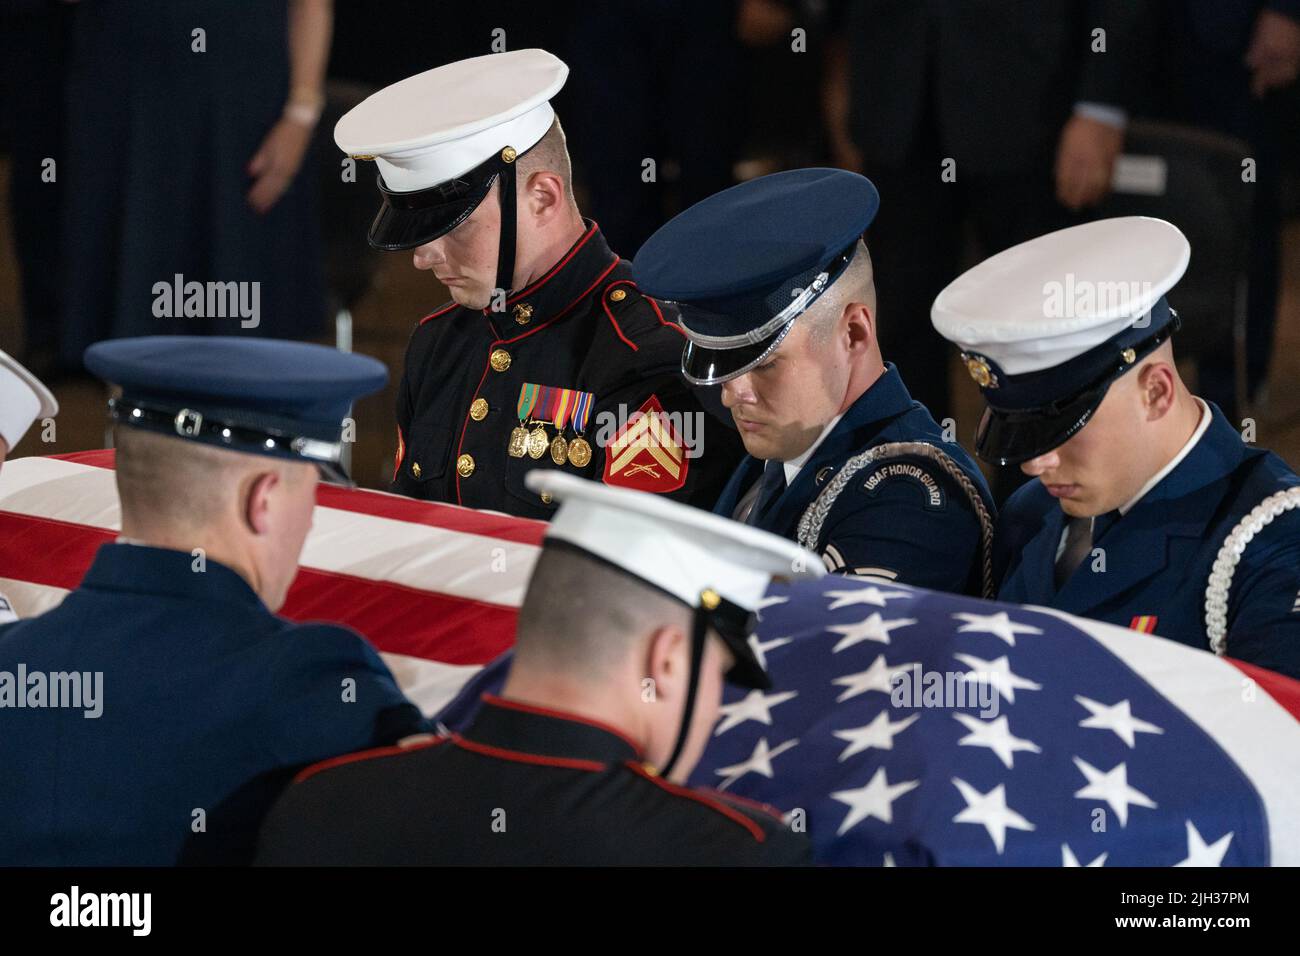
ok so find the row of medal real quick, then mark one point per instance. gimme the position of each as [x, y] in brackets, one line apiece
[542, 405]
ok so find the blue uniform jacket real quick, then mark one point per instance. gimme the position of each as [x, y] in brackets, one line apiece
[1158, 556]
[901, 518]
[208, 704]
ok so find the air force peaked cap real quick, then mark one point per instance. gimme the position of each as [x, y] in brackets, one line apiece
[720, 568]
[260, 396]
[1045, 327]
[441, 138]
[743, 264]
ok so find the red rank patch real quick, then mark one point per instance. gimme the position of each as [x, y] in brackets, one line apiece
[647, 454]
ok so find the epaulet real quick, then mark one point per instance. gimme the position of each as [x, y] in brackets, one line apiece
[632, 314]
[406, 745]
[441, 311]
[704, 798]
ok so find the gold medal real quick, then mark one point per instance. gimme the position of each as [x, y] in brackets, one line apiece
[518, 446]
[537, 442]
[559, 450]
[579, 452]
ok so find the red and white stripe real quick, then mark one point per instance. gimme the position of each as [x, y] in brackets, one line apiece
[436, 588]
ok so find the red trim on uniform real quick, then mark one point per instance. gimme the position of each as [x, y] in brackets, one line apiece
[551, 273]
[500, 753]
[443, 311]
[764, 808]
[686, 793]
[614, 322]
[391, 750]
[487, 367]
[662, 321]
[519, 705]
[401, 453]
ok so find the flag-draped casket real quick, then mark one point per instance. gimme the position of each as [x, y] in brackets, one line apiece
[905, 727]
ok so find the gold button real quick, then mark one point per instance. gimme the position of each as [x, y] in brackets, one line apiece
[499, 359]
[415, 468]
[508, 154]
[523, 313]
[465, 465]
[618, 295]
[478, 411]
[1129, 356]
[546, 498]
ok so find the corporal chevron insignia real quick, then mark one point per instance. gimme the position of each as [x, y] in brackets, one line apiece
[647, 454]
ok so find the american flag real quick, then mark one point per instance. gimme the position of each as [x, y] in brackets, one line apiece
[906, 727]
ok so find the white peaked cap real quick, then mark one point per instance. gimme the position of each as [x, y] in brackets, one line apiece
[680, 549]
[436, 125]
[23, 399]
[1039, 304]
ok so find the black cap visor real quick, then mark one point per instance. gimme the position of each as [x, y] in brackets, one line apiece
[733, 626]
[1012, 436]
[713, 366]
[409, 219]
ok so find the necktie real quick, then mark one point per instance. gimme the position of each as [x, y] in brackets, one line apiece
[1075, 547]
[770, 487]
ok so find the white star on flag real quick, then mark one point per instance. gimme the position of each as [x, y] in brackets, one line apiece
[879, 676]
[998, 625]
[875, 799]
[1117, 717]
[997, 673]
[874, 628]
[996, 735]
[755, 705]
[1111, 786]
[760, 762]
[990, 810]
[879, 733]
[872, 595]
[1069, 859]
[760, 648]
[1198, 854]
[766, 603]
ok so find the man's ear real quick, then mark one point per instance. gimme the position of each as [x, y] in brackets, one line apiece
[1157, 384]
[668, 657]
[544, 195]
[257, 501]
[859, 326]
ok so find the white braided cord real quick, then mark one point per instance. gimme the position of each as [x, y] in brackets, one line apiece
[1229, 556]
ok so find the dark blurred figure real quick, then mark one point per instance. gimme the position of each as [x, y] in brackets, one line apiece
[657, 80]
[183, 160]
[33, 49]
[1013, 93]
[1231, 66]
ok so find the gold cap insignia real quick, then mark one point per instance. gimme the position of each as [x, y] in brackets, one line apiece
[980, 371]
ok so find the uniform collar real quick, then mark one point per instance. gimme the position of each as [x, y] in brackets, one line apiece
[1215, 450]
[571, 279]
[525, 728]
[1201, 426]
[794, 464]
[160, 572]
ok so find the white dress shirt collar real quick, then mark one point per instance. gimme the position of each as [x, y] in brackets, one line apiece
[1206, 418]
